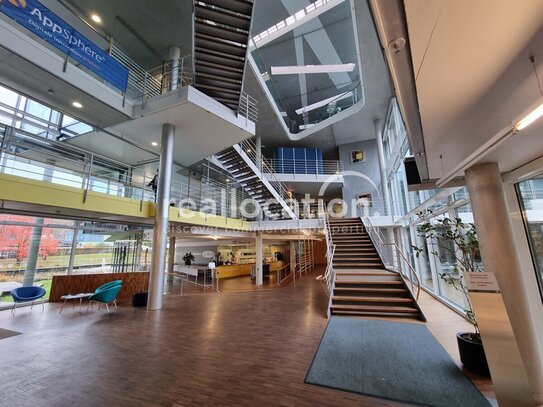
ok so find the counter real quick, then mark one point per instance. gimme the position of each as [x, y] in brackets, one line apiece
[236, 270]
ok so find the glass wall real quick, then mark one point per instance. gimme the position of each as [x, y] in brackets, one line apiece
[53, 241]
[530, 194]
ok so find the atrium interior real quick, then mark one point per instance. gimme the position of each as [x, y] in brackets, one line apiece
[285, 202]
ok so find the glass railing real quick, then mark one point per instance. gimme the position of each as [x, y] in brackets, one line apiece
[33, 157]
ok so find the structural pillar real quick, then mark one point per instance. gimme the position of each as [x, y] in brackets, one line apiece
[74, 246]
[160, 234]
[499, 254]
[293, 258]
[171, 258]
[33, 253]
[173, 60]
[382, 166]
[258, 267]
[258, 152]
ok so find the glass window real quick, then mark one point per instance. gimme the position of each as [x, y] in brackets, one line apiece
[8, 97]
[530, 194]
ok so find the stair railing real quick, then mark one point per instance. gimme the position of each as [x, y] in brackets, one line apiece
[393, 257]
[403, 266]
[167, 77]
[249, 147]
[248, 107]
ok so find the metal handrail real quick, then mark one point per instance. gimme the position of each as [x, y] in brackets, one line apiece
[387, 251]
[170, 76]
[30, 156]
[249, 147]
[279, 280]
[306, 167]
[248, 107]
[412, 275]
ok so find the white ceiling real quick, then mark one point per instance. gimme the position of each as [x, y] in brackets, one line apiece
[473, 75]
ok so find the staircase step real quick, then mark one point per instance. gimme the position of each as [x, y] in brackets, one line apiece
[223, 16]
[363, 290]
[369, 282]
[203, 26]
[374, 308]
[237, 6]
[372, 299]
[363, 273]
[219, 57]
[376, 314]
[210, 42]
[361, 264]
[216, 69]
[230, 91]
[220, 81]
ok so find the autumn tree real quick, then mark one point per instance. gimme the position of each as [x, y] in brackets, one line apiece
[48, 245]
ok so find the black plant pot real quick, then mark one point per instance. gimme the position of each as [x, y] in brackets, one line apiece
[139, 299]
[472, 353]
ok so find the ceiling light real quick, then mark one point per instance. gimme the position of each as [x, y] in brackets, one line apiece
[530, 118]
[76, 104]
[154, 143]
[294, 70]
[96, 18]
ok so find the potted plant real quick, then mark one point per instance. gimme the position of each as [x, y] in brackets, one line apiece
[458, 240]
[188, 259]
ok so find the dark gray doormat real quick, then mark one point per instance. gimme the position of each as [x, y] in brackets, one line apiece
[390, 360]
[5, 333]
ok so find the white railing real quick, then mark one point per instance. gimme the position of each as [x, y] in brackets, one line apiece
[170, 76]
[248, 107]
[307, 167]
[392, 257]
[33, 157]
[249, 147]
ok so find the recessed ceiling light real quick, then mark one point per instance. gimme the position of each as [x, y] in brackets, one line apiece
[96, 18]
[75, 103]
[154, 143]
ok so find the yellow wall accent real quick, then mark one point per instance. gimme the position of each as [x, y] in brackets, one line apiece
[20, 189]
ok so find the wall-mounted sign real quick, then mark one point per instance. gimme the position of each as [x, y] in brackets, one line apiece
[37, 18]
[482, 282]
[208, 254]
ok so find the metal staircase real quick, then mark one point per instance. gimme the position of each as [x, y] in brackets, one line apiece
[221, 34]
[256, 177]
[362, 285]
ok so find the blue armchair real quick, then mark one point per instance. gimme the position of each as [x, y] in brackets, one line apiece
[105, 296]
[27, 294]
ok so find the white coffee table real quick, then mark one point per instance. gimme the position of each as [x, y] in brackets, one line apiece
[79, 296]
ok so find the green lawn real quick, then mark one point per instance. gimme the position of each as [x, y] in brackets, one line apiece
[44, 283]
[11, 265]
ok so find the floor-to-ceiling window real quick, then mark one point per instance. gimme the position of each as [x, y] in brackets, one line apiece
[530, 194]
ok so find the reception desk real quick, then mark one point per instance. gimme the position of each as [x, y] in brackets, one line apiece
[237, 270]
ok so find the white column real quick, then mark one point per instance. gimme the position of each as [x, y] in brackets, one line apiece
[499, 254]
[259, 260]
[171, 258]
[382, 166]
[160, 235]
[74, 246]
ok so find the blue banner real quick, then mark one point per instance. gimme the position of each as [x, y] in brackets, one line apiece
[37, 18]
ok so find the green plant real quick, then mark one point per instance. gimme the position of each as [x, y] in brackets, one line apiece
[459, 240]
[188, 258]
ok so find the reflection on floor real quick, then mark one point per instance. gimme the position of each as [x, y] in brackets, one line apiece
[190, 286]
[228, 349]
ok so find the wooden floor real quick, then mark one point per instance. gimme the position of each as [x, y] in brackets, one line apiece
[178, 286]
[244, 349]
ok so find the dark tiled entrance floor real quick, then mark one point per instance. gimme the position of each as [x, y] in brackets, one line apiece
[249, 349]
